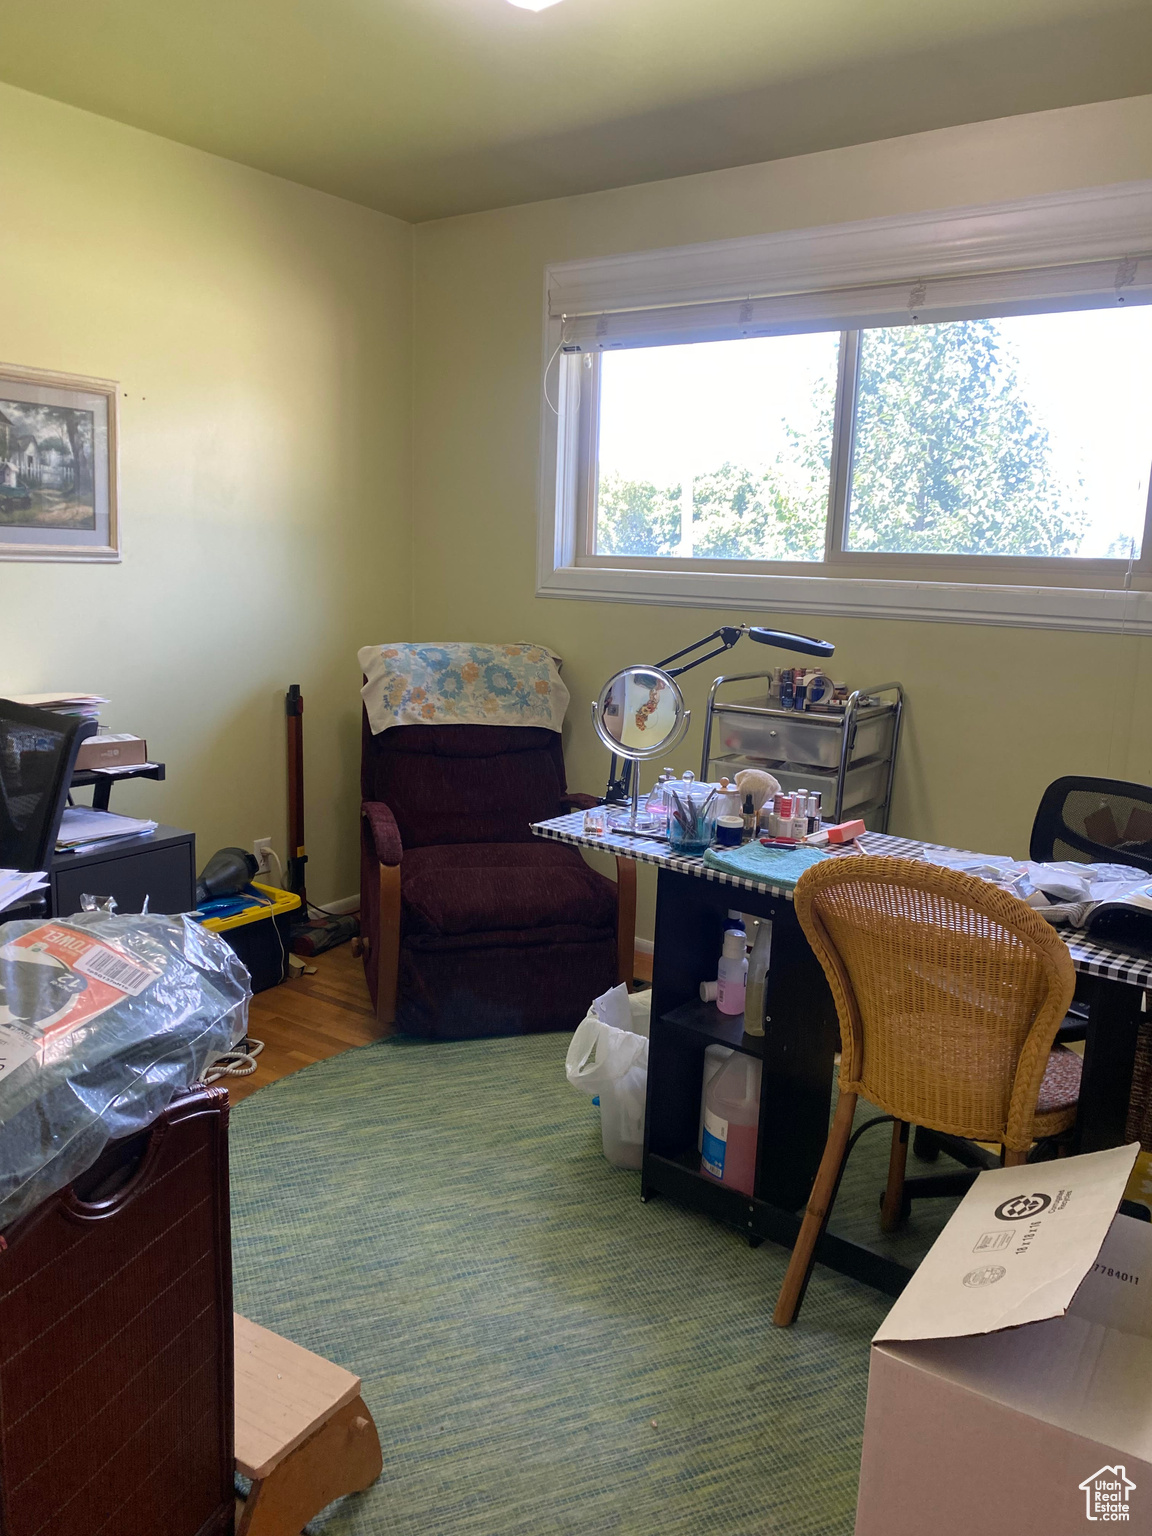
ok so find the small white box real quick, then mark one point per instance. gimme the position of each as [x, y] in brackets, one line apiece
[1010, 1386]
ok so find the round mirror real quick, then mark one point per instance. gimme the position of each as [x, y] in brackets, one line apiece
[640, 713]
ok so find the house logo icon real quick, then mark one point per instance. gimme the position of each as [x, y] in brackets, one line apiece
[1107, 1494]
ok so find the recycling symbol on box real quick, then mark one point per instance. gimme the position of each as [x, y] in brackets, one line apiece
[1020, 1207]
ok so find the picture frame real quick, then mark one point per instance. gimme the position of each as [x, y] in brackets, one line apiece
[59, 466]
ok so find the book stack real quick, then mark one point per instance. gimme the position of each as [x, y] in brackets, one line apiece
[82, 828]
[86, 705]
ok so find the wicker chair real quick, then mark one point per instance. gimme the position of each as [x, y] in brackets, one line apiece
[949, 994]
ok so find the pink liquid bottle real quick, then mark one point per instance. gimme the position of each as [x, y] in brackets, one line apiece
[732, 1123]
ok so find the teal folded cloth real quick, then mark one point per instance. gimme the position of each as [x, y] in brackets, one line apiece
[774, 866]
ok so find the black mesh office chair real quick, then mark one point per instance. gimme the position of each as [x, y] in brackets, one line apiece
[1094, 821]
[1089, 821]
[37, 755]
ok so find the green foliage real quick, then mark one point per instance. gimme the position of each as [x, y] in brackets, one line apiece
[739, 515]
[947, 459]
[634, 517]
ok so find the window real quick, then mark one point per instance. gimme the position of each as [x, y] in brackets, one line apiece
[975, 429]
[1021, 438]
[715, 451]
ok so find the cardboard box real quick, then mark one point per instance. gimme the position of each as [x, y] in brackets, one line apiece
[112, 752]
[1010, 1387]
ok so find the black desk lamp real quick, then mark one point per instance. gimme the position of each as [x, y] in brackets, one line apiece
[619, 789]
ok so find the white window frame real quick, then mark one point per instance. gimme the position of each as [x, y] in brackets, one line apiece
[1029, 238]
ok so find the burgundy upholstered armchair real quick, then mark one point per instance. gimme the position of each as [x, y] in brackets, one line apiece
[471, 925]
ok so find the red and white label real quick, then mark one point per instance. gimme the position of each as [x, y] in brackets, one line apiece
[84, 977]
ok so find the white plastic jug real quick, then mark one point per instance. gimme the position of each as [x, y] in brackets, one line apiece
[732, 1122]
[714, 1058]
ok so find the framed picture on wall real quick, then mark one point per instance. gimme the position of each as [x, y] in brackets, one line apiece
[57, 466]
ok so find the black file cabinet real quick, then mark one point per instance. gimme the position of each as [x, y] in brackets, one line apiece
[161, 866]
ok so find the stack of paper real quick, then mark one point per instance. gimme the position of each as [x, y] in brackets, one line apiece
[81, 828]
[14, 886]
[87, 705]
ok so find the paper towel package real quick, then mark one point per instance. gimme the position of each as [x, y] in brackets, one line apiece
[1010, 1386]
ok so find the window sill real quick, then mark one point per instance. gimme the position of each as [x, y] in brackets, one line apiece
[1035, 607]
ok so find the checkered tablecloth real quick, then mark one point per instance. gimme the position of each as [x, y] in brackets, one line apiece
[1087, 956]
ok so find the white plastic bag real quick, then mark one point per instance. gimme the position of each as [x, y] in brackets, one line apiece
[612, 1063]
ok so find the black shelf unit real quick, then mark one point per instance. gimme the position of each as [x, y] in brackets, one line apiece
[103, 781]
[797, 1051]
[700, 1018]
[159, 865]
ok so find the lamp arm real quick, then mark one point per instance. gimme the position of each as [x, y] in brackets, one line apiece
[708, 655]
[619, 790]
[620, 784]
[727, 635]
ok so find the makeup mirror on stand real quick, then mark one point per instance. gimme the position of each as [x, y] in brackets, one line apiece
[660, 705]
[640, 713]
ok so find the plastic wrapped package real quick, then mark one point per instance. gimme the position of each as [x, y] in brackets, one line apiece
[103, 1018]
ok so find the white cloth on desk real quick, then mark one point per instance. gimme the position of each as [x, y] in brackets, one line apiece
[1064, 892]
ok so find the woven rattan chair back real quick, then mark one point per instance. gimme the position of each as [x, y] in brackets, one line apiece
[949, 992]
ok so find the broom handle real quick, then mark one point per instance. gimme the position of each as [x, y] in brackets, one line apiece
[297, 856]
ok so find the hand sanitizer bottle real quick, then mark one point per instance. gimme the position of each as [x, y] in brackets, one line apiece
[732, 971]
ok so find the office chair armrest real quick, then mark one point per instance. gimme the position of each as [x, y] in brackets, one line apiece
[385, 833]
[573, 801]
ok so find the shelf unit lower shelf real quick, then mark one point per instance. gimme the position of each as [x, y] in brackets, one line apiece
[677, 1179]
[694, 1026]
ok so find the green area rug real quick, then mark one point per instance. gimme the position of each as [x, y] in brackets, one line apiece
[541, 1352]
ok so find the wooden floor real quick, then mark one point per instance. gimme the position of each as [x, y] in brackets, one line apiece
[305, 1021]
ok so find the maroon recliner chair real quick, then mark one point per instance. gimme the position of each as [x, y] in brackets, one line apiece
[469, 924]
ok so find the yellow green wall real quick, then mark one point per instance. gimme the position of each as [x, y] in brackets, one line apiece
[260, 333]
[994, 714]
[302, 471]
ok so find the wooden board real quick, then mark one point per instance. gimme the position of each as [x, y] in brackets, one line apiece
[283, 1394]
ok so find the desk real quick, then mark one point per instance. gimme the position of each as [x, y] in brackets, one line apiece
[800, 1042]
[160, 865]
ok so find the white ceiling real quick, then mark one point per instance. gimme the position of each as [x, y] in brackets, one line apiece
[423, 108]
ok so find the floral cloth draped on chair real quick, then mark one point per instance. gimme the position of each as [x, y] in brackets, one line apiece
[462, 684]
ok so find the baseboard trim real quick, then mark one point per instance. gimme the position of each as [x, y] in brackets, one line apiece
[341, 906]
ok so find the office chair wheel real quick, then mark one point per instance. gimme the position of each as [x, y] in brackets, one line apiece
[925, 1146]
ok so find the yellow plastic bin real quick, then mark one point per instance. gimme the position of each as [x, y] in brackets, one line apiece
[259, 935]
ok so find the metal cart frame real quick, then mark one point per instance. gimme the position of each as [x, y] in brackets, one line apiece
[848, 724]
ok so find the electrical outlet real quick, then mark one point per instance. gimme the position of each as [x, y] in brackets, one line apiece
[261, 847]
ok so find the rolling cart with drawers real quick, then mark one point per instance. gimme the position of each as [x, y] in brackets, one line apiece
[848, 754]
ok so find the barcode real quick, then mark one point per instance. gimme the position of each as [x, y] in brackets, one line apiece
[117, 970]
